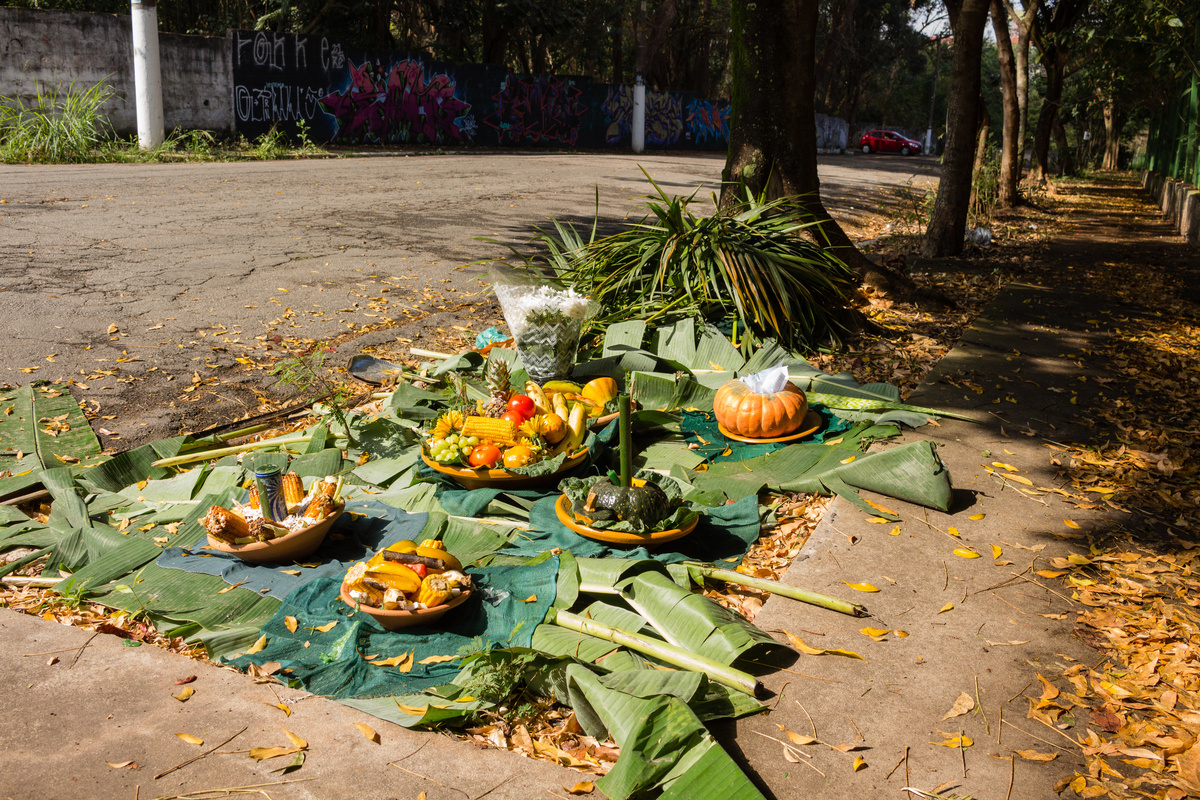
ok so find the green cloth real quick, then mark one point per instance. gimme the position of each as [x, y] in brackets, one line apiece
[701, 427]
[333, 663]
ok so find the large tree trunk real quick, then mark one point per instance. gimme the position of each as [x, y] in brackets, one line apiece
[1025, 24]
[1010, 169]
[944, 236]
[1054, 58]
[773, 134]
[1112, 135]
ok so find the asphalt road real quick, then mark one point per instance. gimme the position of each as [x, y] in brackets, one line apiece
[162, 290]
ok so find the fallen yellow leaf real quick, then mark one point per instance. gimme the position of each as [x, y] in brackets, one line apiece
[946, 608]
[952, 531]
[859, 763]
[287, 712]
[894, 531]
[1034, 755]
[402, 662]
[962, 552]
[797, 738]
[996, 551]
[878, 520]
[531, 599]
[583, 787]
[799, 644]
[258, 646]
[327, 627]
[956, 741]
[187, 737]
[291, 623]
[901, 634]
[961, 706]
[367, 731]
[861, 587]
[263, 753]
[436, 659]
[874, 631]
[977, 517]
[295, 740]
[1070, 524]
[1020, 479]
[1050, 573]
[185, 694]
[122, 764]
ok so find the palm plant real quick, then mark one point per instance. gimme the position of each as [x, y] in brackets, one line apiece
[750, 265]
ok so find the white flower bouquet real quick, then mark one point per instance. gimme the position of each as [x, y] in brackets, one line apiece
[545, 321]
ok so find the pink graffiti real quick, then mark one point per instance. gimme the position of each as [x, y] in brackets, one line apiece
[402, 108]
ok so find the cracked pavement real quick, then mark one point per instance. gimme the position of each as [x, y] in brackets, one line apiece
[161, 290]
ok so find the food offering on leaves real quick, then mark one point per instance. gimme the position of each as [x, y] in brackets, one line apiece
[511, 430]
[762, 406]
[294, 530]
[407, 584]
[247, 524]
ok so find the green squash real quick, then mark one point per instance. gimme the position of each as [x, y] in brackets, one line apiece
[644, 503]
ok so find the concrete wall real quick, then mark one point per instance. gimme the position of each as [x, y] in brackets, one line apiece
[58, 48]
[1179, 201]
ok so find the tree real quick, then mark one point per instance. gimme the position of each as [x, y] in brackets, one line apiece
[773, 137]
[1025, 21]
[944, 236]
[1010, 127]
[1052, 38]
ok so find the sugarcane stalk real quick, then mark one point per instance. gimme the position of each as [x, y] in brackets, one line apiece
[626, 441]
[204, 455]
[699, 572]
[734, 678]
[225, 437]
[36, 583]
[416, 351]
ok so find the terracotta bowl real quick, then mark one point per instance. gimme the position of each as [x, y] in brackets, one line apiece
[292, 547]
[500, 478]
[395, 620]
[627, 538]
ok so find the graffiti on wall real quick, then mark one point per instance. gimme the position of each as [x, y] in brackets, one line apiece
[542, 109]
[352, 96]
[708, 120]
[664, 116]
[396, 106]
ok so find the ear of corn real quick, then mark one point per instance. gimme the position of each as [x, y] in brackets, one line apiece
[436, 544]
[500, 431]
[225, 525]
[319, 507]
[435, 590]
[293, 489]
[253, 501]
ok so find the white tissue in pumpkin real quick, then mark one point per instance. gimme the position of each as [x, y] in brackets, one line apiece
[769, 381]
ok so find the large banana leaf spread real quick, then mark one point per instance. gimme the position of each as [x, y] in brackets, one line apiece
[129, 534]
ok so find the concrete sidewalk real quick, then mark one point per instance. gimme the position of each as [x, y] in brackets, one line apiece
[982, 626]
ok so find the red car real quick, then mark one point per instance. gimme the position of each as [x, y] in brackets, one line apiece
[888, 142]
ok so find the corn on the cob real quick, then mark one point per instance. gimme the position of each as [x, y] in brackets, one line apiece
[436, 544]
[500, 431]
[319, 508]
[253, 500]
[293, 489]
[324, 487]
[225, 525]
[435, 590]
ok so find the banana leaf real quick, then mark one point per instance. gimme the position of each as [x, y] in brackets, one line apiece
[663, 744]
[68, 509]
[911, 472]
[687, 620]
[46, 423]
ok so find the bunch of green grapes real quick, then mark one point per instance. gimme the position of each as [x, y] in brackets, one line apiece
[454, 449]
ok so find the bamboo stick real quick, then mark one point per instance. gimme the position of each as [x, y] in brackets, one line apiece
[204, 455]
[37, 583]
[416, 351]
[774, 587]
[734, 678]
[626, 442]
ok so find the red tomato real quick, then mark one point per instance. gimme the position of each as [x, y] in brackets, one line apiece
[420, 569]
[484, 455]
[522, 404]
[513, 417]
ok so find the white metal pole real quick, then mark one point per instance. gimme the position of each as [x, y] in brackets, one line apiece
[639, 115]
[147, 78]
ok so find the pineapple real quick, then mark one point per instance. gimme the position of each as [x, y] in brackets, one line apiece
[497, 379]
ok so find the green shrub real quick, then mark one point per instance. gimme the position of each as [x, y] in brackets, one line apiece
[63, 125]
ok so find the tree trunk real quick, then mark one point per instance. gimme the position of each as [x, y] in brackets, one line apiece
[1010, 169]
[1054, 58]
[1112, 136]
[983, 131]
[944, 236]
[1066, 164]
[773, 134]
[1025, 24]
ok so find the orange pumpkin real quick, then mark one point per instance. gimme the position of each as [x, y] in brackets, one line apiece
[760, 416]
